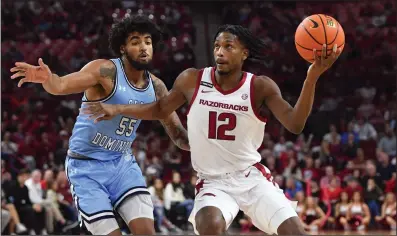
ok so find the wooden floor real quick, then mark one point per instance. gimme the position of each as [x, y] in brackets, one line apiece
[316, 233]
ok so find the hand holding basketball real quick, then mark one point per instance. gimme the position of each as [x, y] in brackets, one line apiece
[29, 73]
[323, 62]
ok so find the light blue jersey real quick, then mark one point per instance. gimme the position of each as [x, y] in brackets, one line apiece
[107, 140]
[100, 166]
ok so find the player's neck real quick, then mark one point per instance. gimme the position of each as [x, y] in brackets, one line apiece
[230, 80]
[136, 77]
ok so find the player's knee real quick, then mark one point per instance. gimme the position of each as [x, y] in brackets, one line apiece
[211, 227]
[142, 226]
[210, 221]
[291, 226]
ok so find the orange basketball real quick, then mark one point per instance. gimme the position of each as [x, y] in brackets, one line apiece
[316, 30]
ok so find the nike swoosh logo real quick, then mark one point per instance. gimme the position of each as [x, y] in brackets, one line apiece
[203, 91]
[248, 174]
[315, 24]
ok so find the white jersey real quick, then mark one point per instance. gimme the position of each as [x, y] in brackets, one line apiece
[224, 130]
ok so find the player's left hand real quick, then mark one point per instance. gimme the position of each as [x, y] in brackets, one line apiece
[99, 111]
[323, 62]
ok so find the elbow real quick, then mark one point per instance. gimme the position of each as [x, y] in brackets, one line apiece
[296, 129]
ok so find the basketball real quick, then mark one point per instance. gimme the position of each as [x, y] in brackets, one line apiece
[316, 30]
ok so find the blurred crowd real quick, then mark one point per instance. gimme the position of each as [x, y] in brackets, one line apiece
[342, 169]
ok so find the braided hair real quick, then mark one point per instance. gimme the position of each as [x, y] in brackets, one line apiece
[255, 46]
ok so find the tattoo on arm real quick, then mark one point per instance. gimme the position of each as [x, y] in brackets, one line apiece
[108, 72]
[160, 88]
[172, 124]
[176, 131]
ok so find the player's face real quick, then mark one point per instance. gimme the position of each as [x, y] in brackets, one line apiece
[138, 50]
[229, 53]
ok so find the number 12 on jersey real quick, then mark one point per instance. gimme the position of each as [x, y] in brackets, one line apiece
[219, 132]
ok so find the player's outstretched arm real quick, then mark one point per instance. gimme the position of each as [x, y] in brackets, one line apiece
[89, 76]
[172, 124]
[294, 118]
[158, 110]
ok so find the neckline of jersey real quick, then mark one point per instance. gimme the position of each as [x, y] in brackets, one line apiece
[131, 85]
[229, 91]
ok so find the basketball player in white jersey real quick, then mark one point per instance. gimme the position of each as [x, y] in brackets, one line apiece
[225, 129]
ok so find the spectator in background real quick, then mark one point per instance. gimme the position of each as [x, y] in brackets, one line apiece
[36, 195]
[280, 147]
[352, 186]
[8, 147]
[388, 143]
[293, 170]
[32, 215]
[372, 194]
[54, 199]
[334, 190]
[309, 170]
[172, 157]
[292, 186]
[27, 149]
[384, 167]
[371, 173]
[190, 188]
[388, 215]
[312, 215]
[300, 197]
[391, 184]
[350, 131]
[349, 149]
[360, 160]
[329, 175]
[358, 214]
[155, 168]
[368, 91]
[366, 109]
[341, 209]
[9, 215]
[365, 130]
[48, 177]
[333, 136]
[162, 223]
[173, 196]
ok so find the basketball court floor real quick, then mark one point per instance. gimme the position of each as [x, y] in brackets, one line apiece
[232, 232]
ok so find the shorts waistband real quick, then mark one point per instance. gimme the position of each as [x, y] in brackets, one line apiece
[224, 175]
[77, 156]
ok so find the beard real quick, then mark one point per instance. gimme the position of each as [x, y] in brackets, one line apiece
[223, 72]
[139, 65]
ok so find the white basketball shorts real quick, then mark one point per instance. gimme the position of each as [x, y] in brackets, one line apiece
[252, 191]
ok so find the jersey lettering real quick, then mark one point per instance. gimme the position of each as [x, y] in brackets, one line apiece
[223, 105]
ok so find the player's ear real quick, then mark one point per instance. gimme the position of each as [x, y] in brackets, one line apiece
[122, 49]
[245, 54]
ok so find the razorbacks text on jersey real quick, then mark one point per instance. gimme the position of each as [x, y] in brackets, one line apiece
[224, 130]
[111, 139]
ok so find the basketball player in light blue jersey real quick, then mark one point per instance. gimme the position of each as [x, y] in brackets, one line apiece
[102, 171]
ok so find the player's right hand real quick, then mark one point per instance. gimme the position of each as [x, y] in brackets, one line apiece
[29, 73]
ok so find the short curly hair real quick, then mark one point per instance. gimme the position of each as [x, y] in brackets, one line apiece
[135, 23]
